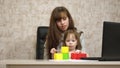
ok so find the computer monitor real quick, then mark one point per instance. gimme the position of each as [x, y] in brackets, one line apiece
[111, 41]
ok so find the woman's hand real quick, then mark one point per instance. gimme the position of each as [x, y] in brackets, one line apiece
[53, 50]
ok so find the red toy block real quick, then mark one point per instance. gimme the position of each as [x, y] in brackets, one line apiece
[78, 55]
[82, 55]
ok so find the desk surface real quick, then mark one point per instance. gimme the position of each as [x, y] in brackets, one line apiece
[54, 62]
[60, 64]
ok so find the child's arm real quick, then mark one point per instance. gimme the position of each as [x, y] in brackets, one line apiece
[80, 51]
[52, 51]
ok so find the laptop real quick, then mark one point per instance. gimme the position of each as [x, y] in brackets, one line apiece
[110, 42]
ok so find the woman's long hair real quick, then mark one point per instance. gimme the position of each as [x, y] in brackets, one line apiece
[54, 33]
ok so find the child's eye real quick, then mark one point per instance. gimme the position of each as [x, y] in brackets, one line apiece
[73, 40]
[67, 40]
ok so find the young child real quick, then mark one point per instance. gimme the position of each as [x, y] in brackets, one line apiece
[72, 40]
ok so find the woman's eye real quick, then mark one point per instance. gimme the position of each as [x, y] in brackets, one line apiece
[57, 21]
[64, 18]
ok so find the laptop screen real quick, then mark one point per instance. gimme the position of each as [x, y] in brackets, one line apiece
[111, 40]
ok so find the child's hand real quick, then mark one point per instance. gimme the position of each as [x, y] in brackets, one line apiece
[53, 50]
[85, 53]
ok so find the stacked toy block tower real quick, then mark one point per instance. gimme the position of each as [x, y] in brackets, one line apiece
[63, 55]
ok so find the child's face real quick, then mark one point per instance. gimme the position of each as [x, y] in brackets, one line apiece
[71, 42]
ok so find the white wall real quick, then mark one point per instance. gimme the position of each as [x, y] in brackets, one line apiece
[19, 20]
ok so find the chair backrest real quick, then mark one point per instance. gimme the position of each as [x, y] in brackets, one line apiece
[41, 38]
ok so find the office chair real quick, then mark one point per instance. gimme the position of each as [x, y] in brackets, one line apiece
[41, 38]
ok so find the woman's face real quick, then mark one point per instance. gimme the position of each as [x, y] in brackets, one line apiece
[71, 42]
[63, 24]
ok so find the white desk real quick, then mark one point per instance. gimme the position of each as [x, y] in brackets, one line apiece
[60, 64]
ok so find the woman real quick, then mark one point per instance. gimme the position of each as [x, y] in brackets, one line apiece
[60, 21]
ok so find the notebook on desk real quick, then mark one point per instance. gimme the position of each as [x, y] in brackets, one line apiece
[110, 43]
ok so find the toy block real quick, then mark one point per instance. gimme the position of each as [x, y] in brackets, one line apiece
[78, 55]
[65, 56]
[65, 49]
[74, 55]
[58, 56]
[82, 55]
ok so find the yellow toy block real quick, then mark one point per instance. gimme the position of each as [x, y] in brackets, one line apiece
[64, 49]
[58, 56]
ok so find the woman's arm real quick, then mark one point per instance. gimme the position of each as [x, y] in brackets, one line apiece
[45, 51]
